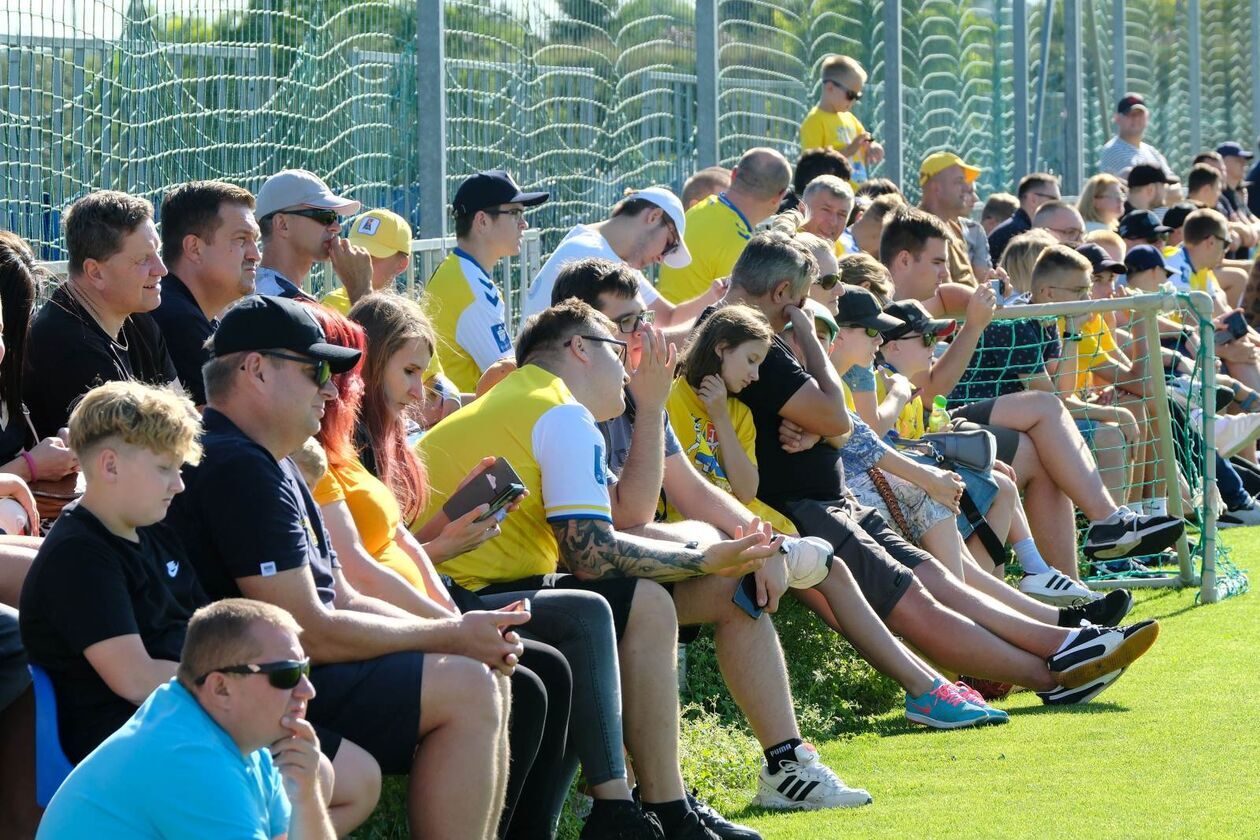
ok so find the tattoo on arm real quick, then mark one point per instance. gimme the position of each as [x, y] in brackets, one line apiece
[592, 549]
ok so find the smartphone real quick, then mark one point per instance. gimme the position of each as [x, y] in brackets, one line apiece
[745, 596]
[497, 486]
[1236, 324]
[517, 606]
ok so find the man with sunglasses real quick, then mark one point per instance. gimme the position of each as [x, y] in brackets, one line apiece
[252, 528]
[300, 221]
[223, 750]
[645, 228]
[832, 124]
[1034, 190]
[462, 299]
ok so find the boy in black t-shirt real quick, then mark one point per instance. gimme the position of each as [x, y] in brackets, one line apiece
[106, 602]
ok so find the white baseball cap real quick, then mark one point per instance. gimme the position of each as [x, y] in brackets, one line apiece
[299, 188]
[667, 201]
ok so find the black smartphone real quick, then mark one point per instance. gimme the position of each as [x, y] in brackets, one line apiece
[1236, 324]
[745, 596]
[499, 485]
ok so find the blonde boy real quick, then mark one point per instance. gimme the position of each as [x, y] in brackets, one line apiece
[832, 123]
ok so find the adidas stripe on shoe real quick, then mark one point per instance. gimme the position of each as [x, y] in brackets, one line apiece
[1100, 650]
[1056, 589]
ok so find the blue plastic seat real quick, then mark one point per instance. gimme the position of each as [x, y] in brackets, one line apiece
[51, 764]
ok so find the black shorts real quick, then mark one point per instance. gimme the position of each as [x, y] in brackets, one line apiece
[374, 703]
[618, 592]
[978, 415]
[881, 562]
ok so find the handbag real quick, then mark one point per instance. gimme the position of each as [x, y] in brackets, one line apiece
[976, 449]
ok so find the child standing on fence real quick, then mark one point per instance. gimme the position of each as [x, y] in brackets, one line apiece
[832, 123]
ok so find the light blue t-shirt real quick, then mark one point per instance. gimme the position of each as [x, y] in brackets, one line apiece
[170, 772]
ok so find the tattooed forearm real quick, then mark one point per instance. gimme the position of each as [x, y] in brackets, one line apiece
[592, 549]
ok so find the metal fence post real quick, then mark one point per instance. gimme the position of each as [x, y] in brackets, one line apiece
[1255, 67]
[1073, 159]
[1043, 74]
[431, 135]
[707, 86]
[1196, 75]
[892, 91]
[1019, 55]
[1119, 50]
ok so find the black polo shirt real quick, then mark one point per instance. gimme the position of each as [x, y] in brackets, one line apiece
[1005, 232]
[243, 513]
[68, 354]
[88, 585]
[185, 329]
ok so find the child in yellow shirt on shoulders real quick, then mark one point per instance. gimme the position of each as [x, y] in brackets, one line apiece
[832, 124]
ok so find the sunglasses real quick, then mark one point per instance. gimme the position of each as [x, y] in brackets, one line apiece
[674, 240]
[619, 347]
[853, 95]
[284, 675]
[635, 321]
[514, 212]
[928, 340]
[828, 281]
[871, 332]
[327, 218]
[322, 372]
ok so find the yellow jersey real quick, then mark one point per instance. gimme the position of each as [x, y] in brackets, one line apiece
[469, 318]
[909, 424]
[833, 129]
[1096, 342]
[716, 235]
[551, 440]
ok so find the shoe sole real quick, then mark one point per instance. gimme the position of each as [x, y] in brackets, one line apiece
[1123, 655]
[1151, 541]
[789, 805]
[932, 723]
[1106, 682]
[1057, 600]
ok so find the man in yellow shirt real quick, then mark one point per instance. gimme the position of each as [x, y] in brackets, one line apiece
[386, 236]
[464, 303]
[832, 124]
[946, 182]
[720, 226]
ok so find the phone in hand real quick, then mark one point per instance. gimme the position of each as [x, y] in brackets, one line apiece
[497, 487]
[745, 596]
[1233, 326]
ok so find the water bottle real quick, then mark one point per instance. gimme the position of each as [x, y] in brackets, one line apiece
[938, 420]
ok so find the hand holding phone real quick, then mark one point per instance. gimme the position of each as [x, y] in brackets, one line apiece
[497, 486]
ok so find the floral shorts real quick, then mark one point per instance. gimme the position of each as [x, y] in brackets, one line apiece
[919, 509]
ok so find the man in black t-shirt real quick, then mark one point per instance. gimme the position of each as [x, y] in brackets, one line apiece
[96, 329]
[210, 245]
[252, 528]
[801, 477]
[106, 602]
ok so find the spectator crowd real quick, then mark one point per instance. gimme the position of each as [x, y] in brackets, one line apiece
[266, 548]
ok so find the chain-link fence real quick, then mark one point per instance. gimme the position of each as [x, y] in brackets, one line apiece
[585, 98]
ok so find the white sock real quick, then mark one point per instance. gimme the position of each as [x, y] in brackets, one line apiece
[1157, 506]
[1072, 634]
[1029, 558]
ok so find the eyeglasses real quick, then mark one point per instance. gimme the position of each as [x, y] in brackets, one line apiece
[634, 321]
[327, 218]
[1047, 196]
[284, 675]
[928, 340]
[323, 370]
[514, 212]
[1079, 291]
[1224, 242]
[674, 240]
[619, 346]
[1071, 234]
[871, 332]
[828, 281]
[854, 96]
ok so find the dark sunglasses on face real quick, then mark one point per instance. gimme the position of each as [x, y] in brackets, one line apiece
[871, 332]
[828, 281]
[322, 372]
[853, 95]
[619, 347]
[284, 675]
[635, 321]
[326, 218]
[514, 212]
[674, 241]
[928, 340]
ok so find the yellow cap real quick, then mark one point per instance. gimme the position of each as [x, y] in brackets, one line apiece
[938, 162]
[382, 233]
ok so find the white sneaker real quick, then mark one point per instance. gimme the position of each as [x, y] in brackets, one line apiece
[1056, 589]
[807, 561]
[1249, 515]
[805, 784]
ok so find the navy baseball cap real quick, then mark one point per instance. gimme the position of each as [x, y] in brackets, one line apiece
[858, 307]
[914, 319]
[1146, 173]
[1099, 259]
[490, 189]
[1144, 258]
[1130, 101]
[1233, 149]
[1175, 216]
[1141, 224]
[265, 322]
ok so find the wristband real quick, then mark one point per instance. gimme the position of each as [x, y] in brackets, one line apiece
[1071, 337]
[30, 465]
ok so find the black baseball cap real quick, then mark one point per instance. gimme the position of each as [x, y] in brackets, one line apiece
[1130, 101]
[1144, 258]
[857, 307]
[1141, 224]
[490, 189]
[1175, 216]
[1233, 149]
[265, 322]
[1099, 259]
[1146, 173]
[915, 320]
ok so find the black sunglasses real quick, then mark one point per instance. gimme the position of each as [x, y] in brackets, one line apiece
[619, 346]
[324, 217]
[854, 96]
[284, 675]
[828, 281]
[871, 332]
[674, 240]
[928, 340]
[323, 370]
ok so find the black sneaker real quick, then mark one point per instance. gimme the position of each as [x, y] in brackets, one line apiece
[718, 824]
[621, 820]
[1127, 534]
[690, 828]
[1097, 651]
[1107, 611]
[1082, 694]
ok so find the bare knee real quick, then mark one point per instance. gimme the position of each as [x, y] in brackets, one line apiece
[652, 607]
[356, 781]
[460, 689]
